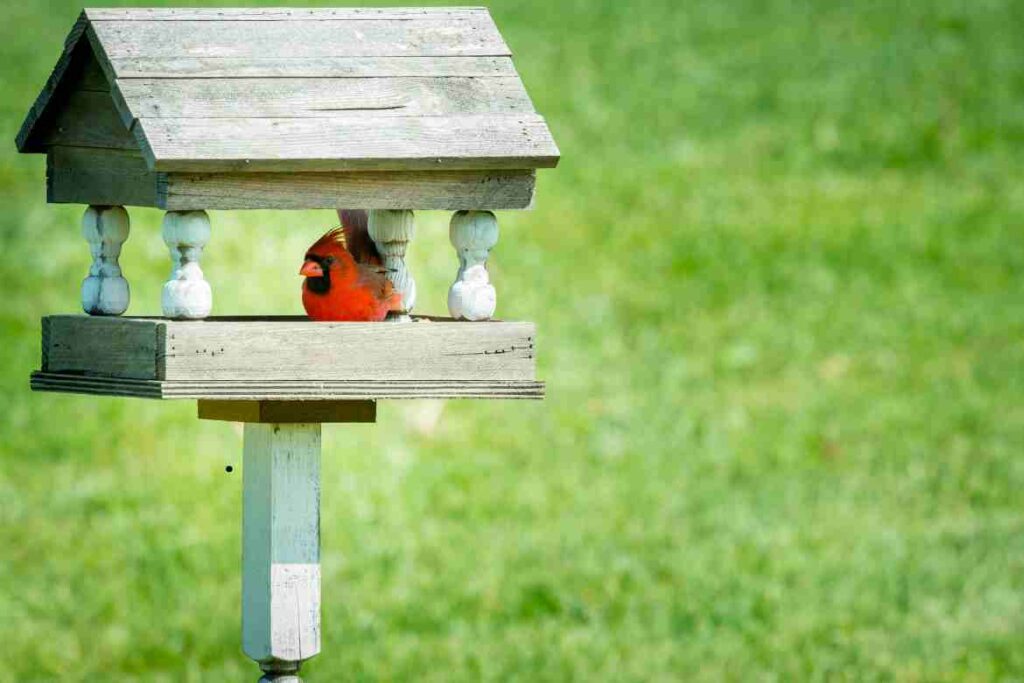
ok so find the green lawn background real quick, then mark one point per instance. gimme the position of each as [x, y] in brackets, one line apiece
[778, 279]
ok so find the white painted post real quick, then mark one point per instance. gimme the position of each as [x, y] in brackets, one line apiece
[473, 234]
[281, 547]
[391, 231]
[186, 294]
[104, 290]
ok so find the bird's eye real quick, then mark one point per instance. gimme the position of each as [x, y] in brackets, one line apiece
[329, 260]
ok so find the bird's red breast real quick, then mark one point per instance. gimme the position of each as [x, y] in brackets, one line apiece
[344, 276]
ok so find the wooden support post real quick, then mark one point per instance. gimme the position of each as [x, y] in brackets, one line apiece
[473, 234]
[281, 547]
[104, 290]
[186, 295]
[391, 231]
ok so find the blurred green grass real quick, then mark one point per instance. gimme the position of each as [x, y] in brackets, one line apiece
[779, 284]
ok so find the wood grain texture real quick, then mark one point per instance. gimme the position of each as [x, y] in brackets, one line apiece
[310, 67]
[437, 190]
[437, 35]
[279, 13]
[87, 118]
[219, 350]
[85, 175]
[81, 175]
[344, 143]
[281, 542]
[323, 97]
[288, 412]
[295, 350]
[100, 346]
[286, 390]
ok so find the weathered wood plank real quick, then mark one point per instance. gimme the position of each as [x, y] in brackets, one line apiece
[289, 350]
[441, 35]
[84, 175]
[310, 67]
[99, 54]
[81, 175]
[288, 412]
[342, 144]
[423, 190]
[322, 97]
[285, 391]
[219, 350]
[278, 13]
[101, 346]
[87, 118]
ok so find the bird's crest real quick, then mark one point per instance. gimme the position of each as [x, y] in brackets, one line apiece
[334, 236]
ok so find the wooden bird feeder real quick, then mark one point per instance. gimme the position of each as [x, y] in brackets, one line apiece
[389, 110]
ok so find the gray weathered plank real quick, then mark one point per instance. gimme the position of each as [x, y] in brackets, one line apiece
[79, 175]
[289, 350]
[87, 118]
[310, 67]
[285, 391]
[230, 350]
[322, 97]
[277, 13]
[441, 35]
[423, 190]
[83, 175]
[341, 144]
[101, 346]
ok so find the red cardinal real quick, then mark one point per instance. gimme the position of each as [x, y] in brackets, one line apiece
[345, 277]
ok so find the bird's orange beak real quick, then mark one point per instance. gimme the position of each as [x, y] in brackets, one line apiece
[311, 269]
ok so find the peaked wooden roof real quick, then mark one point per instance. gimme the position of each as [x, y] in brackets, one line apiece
[266, 89]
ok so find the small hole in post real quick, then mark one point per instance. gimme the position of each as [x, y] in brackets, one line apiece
[229, 469]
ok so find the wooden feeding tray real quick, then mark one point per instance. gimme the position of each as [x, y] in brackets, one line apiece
[287, 358]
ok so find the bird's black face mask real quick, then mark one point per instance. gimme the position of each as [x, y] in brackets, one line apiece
[319, 285]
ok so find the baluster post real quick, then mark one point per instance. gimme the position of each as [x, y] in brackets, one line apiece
[105, 290]
[473, 234]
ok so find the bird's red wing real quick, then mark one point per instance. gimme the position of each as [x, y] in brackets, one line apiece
[375, 279]
[355, 223]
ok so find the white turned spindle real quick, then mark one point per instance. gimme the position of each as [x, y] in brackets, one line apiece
[104, 290]
[473, 234]
[391, 231]
[281, 546]
[186, 294]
